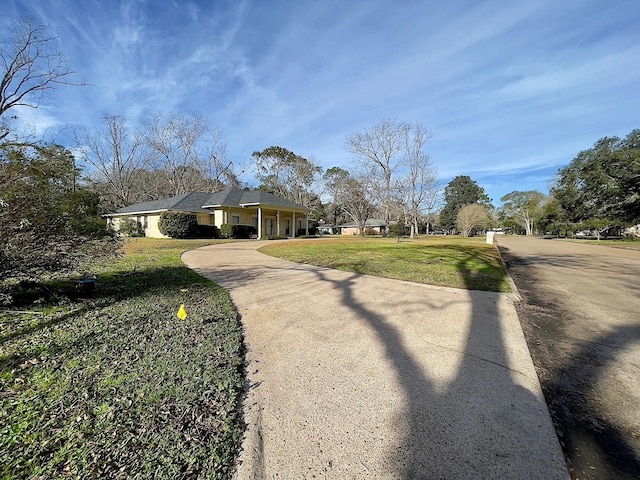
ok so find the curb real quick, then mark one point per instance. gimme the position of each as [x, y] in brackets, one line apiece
[515, 295]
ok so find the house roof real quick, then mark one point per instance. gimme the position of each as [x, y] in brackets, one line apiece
[187, 202]
[242, 198]
[201, 202]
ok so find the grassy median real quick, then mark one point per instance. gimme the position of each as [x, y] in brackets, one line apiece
[114, 385]
[437, 260]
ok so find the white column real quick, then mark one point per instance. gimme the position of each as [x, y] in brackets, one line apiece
[259, 223]
[306, 228]
[293, 227]
[278, 222]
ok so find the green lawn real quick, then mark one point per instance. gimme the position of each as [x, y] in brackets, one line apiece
[450, 261]
[630, 243]
[115, 385]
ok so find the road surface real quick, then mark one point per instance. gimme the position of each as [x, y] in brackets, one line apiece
[581, 318]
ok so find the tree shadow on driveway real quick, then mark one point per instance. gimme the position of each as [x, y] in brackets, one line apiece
[487, 419]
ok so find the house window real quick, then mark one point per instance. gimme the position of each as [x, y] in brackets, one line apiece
[205, 219]
[287, 227]
[235, 219]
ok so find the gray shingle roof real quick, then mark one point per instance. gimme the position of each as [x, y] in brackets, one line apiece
[187, 202]
[196, 201]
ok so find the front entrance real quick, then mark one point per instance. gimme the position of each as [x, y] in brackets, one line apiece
[269, 226]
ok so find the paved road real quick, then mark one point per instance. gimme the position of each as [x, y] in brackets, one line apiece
[581, 316]
[353, 376]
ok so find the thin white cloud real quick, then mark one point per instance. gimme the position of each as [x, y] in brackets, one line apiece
[506, 87]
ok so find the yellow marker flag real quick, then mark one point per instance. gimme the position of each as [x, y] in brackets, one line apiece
[182, 313]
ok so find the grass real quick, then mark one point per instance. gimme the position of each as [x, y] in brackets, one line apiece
[115, 385]
[630, 243]
[448, 261]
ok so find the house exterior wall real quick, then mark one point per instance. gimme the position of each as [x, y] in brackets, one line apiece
[218, 217]
[349, 231]
[356, 230]
[152, 230]
[225, 215]
[150, 223]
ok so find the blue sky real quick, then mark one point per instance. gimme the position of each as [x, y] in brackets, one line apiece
[511, 90]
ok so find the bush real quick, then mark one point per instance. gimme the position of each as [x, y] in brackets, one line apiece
[238, 231]
[177, 224]
[302, 231]
[131, 228]
[226, 230]
[49, 222]
[399, 229]
[207, 231]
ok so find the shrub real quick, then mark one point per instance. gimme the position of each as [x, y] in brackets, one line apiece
[237, 231]
[49, 222]
[399, 229]
[207, 231]
[244, 231]
[131, 228]
[226, 230]
[177, 224]
[302, 231]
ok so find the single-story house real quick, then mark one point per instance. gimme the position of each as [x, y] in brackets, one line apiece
[268, 213]
[374, 225]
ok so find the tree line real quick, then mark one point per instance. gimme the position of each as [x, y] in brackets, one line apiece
[51, 196]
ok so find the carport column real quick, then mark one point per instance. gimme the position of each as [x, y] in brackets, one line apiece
[293, 226]
[259, 223]
[278, 222]
[306, 228]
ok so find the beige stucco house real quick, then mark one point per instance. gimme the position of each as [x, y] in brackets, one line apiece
[373, 225]
[268, 213]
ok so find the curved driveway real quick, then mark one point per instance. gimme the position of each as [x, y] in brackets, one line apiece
[353, 376]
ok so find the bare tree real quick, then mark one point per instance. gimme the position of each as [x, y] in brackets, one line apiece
[356, 201]
[30, 67]
[352, 197]
[116, 155]
[189, 153]
[419, 186]
[471, 217]
[382, 147]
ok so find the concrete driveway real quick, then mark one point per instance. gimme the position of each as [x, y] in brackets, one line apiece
[581, 315]
[353, 376]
